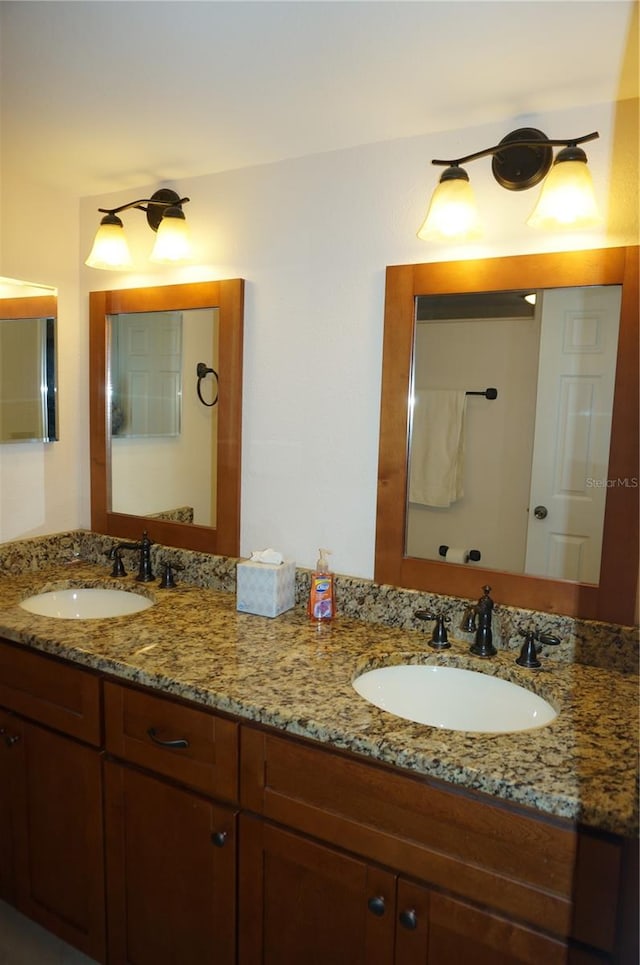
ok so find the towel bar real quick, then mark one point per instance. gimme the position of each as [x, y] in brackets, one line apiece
[488, 393]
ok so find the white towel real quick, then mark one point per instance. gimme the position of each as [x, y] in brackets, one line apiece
[437, 447]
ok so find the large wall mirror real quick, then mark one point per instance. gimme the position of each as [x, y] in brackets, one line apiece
[166, 413]
[509, 426]
[28, 369]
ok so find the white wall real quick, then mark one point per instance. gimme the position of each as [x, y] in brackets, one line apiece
[312, 238]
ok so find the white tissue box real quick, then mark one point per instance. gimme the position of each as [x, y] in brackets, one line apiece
[266, 589]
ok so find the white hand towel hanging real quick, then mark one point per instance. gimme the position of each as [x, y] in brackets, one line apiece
[437, 447]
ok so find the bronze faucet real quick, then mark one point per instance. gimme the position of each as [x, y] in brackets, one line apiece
[483, 609]
[145, 573]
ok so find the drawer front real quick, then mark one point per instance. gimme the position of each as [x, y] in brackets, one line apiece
[448, 838]
[194, 747]
[45, 690]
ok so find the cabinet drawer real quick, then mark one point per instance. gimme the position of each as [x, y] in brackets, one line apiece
[50, 692]
[194, 747]
[451, 839]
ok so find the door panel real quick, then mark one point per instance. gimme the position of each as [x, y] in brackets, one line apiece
[460, 933]
[170, 873]
[578, 350]
[412, 924]
[10, 735]
[59, 852]
[146, 377]
[306, 904]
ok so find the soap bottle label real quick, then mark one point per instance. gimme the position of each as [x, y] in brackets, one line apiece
[321, 604]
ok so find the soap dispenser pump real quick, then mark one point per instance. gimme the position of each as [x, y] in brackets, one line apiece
[321, 594]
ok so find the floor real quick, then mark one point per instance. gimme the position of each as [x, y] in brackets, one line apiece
[24, 943]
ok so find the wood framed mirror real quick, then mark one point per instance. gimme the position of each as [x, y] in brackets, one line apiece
[613, 597]
[223, 301]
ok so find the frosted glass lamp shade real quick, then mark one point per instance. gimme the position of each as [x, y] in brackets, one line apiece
[452, 214]
[567, 199]
[110, 249]
[172, 239]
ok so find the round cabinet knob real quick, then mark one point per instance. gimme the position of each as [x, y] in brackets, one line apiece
[11, 739]
[409, 919]
[219, 839]
[376, 906]
[540, 512]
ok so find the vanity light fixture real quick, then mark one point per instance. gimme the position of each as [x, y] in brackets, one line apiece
[164, 216]
[521, 160]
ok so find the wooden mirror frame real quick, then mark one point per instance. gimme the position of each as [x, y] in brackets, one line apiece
[614, 597]
[228, 297]
[33, 306]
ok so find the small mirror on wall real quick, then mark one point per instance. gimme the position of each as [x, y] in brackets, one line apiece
[28, 371]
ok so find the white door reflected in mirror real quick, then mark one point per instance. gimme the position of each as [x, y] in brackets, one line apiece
[576, 377]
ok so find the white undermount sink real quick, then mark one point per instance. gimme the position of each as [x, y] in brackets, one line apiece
[86, 603]
[454, 699]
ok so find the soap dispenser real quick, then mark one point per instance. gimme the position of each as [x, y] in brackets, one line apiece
[321, 594]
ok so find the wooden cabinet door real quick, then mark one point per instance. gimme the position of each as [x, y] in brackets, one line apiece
[10, 734]
[303, 903]
[171, 873]
[58, 839]
[412, 926]
[458, 932]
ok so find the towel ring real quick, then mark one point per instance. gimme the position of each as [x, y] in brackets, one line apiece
[202, 370]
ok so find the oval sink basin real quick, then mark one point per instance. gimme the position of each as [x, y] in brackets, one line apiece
[85, 603]
[454, 699]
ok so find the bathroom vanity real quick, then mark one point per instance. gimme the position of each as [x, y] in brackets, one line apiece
[196, 784]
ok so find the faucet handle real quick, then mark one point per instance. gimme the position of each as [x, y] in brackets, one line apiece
[530, 647]
[118, 565]
[468, 622]
[529, 653]
[439, 639]
[167, 580]
[549, 639]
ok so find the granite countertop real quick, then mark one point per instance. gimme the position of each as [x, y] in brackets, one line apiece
[294, 675]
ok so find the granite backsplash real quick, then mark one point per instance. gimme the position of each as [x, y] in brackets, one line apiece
[589, 642]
